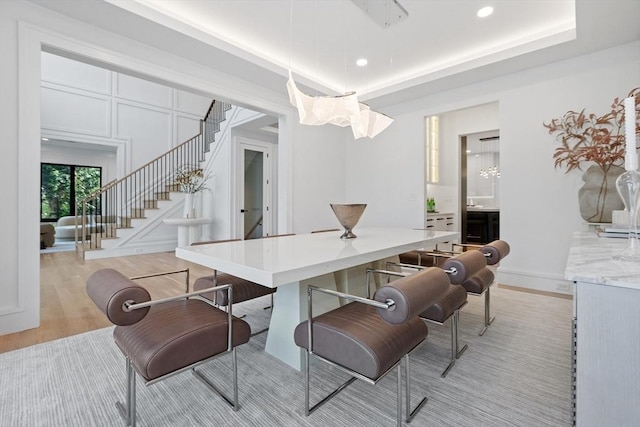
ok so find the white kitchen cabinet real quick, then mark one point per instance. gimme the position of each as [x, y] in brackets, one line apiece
[440, 221]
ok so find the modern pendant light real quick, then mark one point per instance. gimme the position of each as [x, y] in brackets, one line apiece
[342, 110]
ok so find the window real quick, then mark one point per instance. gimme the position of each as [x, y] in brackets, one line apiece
[62, 187]
[431, 142]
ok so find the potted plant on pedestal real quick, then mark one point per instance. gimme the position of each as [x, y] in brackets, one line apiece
[191, 180]
[597, 141]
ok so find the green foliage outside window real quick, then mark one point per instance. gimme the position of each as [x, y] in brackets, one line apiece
[62, 187]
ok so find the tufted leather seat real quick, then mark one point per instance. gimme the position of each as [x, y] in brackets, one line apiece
[243, 290]
[442, 309]
[479, 282]
[164, 337]
[356, 337]
[177, 334]
[421, 258]
[369, 338]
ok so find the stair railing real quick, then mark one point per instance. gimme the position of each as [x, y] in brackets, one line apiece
[114, 205]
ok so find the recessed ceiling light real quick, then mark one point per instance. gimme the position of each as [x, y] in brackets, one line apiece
[485, 11]
[45, 139]
[361, 62]
[468, 151]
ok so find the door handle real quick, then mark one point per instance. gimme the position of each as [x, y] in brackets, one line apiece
[244, 210]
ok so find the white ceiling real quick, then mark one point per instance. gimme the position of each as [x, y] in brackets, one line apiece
[441, 45]
[321, 39]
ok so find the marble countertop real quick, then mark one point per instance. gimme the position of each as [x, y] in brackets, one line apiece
[590, 260]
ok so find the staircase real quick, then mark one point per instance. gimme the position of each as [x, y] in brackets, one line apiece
[121, 205]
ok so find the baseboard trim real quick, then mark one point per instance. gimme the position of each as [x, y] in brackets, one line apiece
[536, 291]
[534, 281]
[132, 250]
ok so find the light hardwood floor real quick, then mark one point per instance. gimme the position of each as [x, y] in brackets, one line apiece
[65, 307]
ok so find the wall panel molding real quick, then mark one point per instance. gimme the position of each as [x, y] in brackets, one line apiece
[152, 134]
[73, 110]
[189, 103]
[142, 91]
[76, 75]
[185, 126]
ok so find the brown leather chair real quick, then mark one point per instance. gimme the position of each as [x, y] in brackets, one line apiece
[368, 338]
[449, 305]
[243, 290]
[479, 283]
[165, 337]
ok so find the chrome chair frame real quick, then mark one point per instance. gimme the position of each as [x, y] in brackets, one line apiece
[166, 273]
[410, 414]
[225, 308]
[488, 319]
[456, 351]
[128, 410]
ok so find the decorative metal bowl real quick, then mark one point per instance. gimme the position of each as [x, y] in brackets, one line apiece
[348, 215]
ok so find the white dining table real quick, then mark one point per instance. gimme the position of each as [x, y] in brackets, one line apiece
[290, 263]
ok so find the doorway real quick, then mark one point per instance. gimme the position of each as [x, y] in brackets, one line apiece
[254, 179]
[480, 187]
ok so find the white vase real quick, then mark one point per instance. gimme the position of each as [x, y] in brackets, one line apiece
[189, 205]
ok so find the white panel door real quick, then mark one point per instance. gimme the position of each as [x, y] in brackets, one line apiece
[254, 190]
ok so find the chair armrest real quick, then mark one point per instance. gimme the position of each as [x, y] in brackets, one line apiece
[384, 305]
[465, 245]
[387, 272]
[440, 253]
[130, 305]
[397, 264]
[310, 288]
[165, 273]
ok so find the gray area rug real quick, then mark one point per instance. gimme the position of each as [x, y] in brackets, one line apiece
[517, 374]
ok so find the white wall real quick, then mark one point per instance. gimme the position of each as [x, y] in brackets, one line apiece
[539, 208]
[319, 162]
[80, 101]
